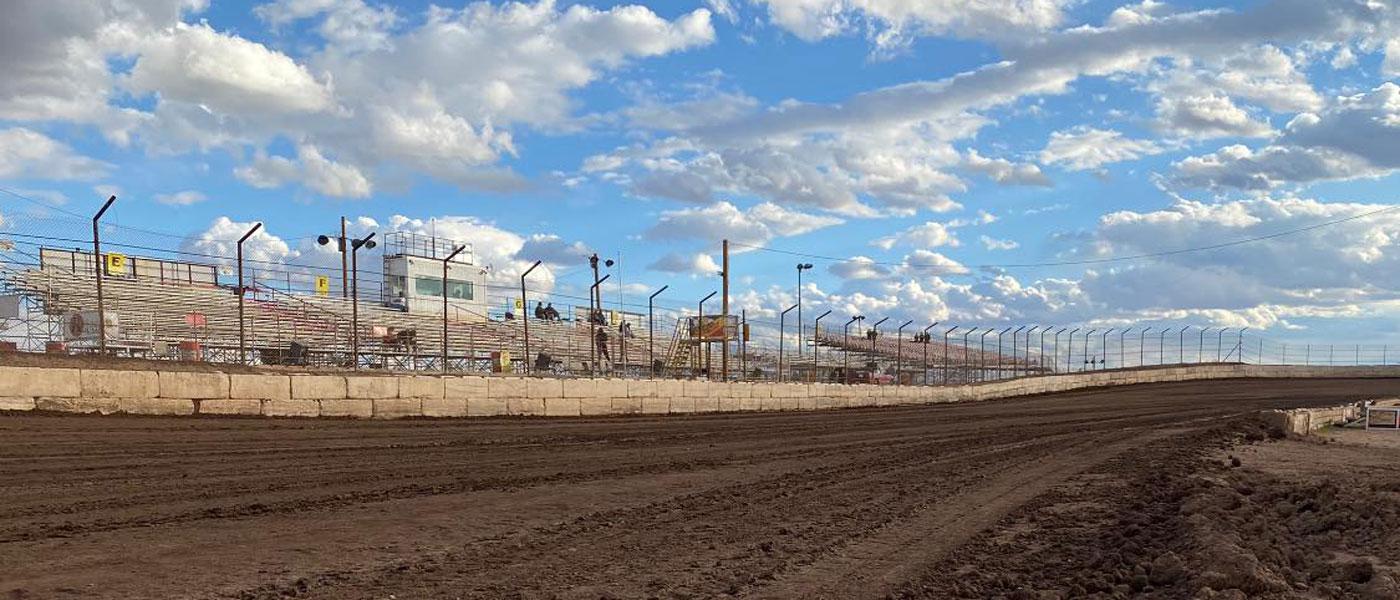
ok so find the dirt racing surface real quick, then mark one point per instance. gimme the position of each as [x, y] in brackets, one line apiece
[1126, 492]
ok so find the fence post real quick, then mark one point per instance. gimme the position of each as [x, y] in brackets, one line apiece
[242, 339]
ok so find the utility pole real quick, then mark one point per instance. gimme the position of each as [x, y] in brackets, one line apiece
[724, 323]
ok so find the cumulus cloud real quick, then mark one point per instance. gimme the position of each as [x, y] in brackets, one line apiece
[1004, 171]
[892, 22]
[930, 234]
[992, 243]
[313, 170]
[25, 153]
[1209, 116]
[1084, 148]
[184, 198]
[1358, 136]
[699, 264]
[721, 220]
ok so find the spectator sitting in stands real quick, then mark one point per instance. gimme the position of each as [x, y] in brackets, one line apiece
[626, 329]
[539, 310]
[510, 316]
[551, 313]
[399, 302]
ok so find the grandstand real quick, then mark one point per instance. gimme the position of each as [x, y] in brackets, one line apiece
[182, 310]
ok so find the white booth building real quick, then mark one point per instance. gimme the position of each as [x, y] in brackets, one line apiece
[413, 276]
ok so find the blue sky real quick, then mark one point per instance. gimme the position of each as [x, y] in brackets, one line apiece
[926, 145]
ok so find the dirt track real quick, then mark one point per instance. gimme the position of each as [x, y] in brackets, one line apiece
[846, 504]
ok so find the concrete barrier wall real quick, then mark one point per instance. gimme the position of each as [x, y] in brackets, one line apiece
[1302, 421]
[397, 396]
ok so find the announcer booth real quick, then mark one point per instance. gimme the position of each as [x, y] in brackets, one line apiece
[414, 279]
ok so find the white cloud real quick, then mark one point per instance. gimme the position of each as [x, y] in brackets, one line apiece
[930, 234]
[891, 22]
[722, 220]
[184, 198]
[347, 23]
[1208, 117]
[1358, 136]
[700, 264]
[221, 240]
[311, 169]
[1004, 171]
[28, 154]
[992, 243]
[1084, 148]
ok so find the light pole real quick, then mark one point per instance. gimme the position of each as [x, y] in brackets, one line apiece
[1029, 332]
[524, 312]
[846, 349]
[1122, 334]
[1201, 345]
[875, 334]
[1069, 357]
[966, 362]
[1239, 347]
[700, 331]
[97, 256]
[1219, 340]
[899, 351]
[594, 316]
[242, 339]
[945, 352]
[1103, 348]
[816, 331]
[1055, 363]
[1086, 345]
[1042, 348]
[925, 368]
[651, 328]
[1181, 345]
[999, 362]
[982, 355]
[1162, 346]
[355, 245]
[782, 333]
[1142, 347]
[800, 268]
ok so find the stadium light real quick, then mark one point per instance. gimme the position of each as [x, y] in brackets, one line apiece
[242, 340]
[355, 245]
[800, 268]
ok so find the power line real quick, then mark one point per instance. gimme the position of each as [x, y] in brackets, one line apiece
[1087, 261]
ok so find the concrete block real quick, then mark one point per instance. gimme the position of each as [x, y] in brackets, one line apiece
[575, 388]
[761, 390]
[592, 407]
[232, 406]
[14, 403]
[191, 385]
[359, 408]
[98, 383]
[156, 406]
[34, 382]
[300, 407]
[541, 388]
[105, 406]
[789, 403]
[259, 387]
[727, 404]
[422, 387]
[318, 387]
[397, 408]
[669, 388]
[610, 388]
[641, 388]
[465, 387]
[695, 388]
[486, 407]
[505, 387]
[750, 403]
[655, 406]
[561, 407]
[627, 406]
[525, 407]
[682, 405]
[369, 387]
[444, 407]
[706, 405]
